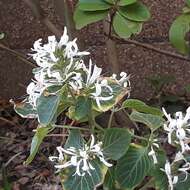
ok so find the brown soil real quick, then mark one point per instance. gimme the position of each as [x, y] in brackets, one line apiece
[22, 29]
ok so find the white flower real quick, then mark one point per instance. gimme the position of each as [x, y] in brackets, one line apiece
[184, 169]
[92, 74]
[123, 81]
[179, 124]
[80, 158]
[34, 90]
[152, 153]
[172, 180]
[47, 55]
[71, 50]
[97, 95]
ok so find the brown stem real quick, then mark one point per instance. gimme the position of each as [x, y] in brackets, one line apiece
[17, 54]
[150, 47]
[64, 10]
[111, 49]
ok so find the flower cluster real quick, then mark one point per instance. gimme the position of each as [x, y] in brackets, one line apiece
[178, 132]
[60, 63]
[179, 126]
[80, 158]
[173, 176]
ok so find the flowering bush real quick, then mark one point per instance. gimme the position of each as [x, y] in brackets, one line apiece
[116, 157]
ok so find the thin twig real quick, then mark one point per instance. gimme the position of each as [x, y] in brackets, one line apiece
[18, 55]
[110, 119]
[57, 135]
[12, 158]
[71, 127]
[150, 47]
[10, 139]
[8, 121]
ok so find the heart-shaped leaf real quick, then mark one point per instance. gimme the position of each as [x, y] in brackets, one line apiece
[152, 121]
[116, 142]
[133, 167]
[47, 108]
[82, 108]
[74, 140]
[87, 182]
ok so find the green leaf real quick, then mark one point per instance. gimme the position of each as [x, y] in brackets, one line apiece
[121, 2]
[83, 18]
[118, 93]
[152, 121]
[187, 88]
[135, 12]
[160, 178]
[95, 5]
[36, 141]
[116, 142]
[124, 27]
[74, 140]
[109, 182]
[47, 108]
[25, 110]
[133, 167]
[186, 10]
[87, 182]
[6, 185]
[126, 2]
[141, 107]
[82, 108]
[178, 32]
[188, 2]
[183, 185]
